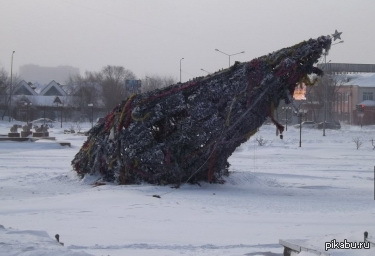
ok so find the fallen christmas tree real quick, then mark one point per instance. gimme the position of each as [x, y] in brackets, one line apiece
[186, 132]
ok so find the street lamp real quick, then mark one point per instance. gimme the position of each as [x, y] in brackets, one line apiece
[335, 36]
[229, 55]
[325, 97]
[58, 101]
[205, 71]
[350, 103]
[339, 42]
[11, 87]
[27, 104]
[92, 113]
[286, 117]
[61, 115]
[148, 83]
[361, 113]
[180, 68]
[44, 115]
[301, 113]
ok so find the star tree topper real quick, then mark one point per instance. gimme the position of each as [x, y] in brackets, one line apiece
[336, 35]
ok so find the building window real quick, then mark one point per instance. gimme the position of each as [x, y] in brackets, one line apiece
[368, 96]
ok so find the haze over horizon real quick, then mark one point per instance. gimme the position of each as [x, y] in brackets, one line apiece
[151, 37]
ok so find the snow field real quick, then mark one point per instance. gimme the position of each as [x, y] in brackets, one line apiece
[323, 190]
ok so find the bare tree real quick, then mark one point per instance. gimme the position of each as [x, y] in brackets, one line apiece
[150, 83]
[358, 142]
[107, 87]
[5, 90]
[85, 90]
[261, 141]
[3, 76]
[112, 80]
[328, 85]
[3, 82]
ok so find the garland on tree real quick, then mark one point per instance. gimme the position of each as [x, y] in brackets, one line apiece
[186, 132]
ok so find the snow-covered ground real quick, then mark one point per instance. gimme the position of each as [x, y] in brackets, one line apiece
[321, 191]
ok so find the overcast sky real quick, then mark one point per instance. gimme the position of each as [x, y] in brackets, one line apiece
[151, 36]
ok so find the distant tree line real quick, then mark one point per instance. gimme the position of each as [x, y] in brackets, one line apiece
[106, 88]
[327, 87]
[5, 85]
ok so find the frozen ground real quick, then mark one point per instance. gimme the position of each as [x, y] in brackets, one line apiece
[319, 192]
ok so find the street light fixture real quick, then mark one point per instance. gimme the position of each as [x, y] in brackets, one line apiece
[361, 114]
[339, 42]
[229, 55]
[58, 101]
[92, 113]
[180, 68]
[61, 115]
[325, 97]
[11, 88]
[301, 113]
[44, 115]
[335, 36]
[286, 117]
[148, 83]
[27, 104]
[205, 71]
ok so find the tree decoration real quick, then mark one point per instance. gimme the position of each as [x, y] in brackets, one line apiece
[187, 131]
[336, 35]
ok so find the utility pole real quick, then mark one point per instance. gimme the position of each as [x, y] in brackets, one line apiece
[180, 68]
[11, 88]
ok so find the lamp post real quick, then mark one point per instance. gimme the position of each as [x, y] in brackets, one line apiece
[27, 104]
[92, 113]
[361, 113]
[148, 84]
[301, 112]
[61, 115]
[180, 68]
[3, 91]
[286, 117]
[335, 36]
[44, 115]
[58, 101]
[350, 102]
[325, 97]
[229, 55]
[205, 71]
[11, 87]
